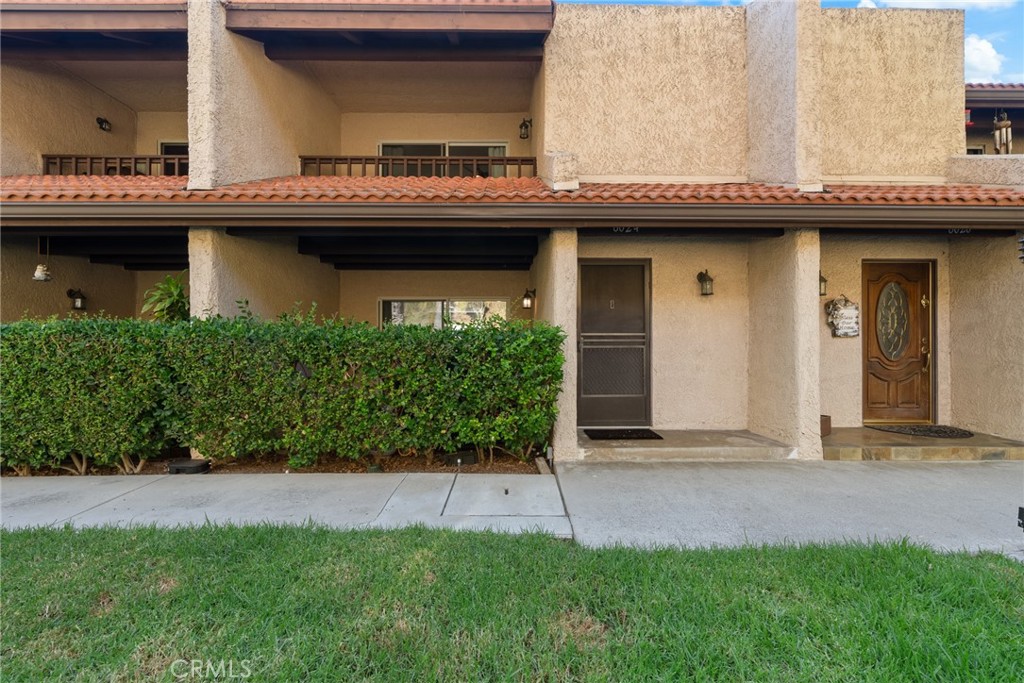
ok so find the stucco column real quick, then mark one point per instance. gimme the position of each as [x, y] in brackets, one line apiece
[554, 275]
[248, 117]
[783, 61]
[785, 345]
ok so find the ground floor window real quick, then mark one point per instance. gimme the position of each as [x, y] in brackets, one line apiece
[437, 313]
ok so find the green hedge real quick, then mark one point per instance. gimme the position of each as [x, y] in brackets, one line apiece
[111, 390]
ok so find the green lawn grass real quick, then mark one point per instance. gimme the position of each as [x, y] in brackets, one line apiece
[292, 604]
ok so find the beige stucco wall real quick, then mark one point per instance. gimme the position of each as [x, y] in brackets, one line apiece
[698, 343]
[248, 117]
[647, 91]
[268, 272]
[987, 169]
[361, 133]
[554, 274]
[892, 93]
[783, 351]
[46, 110]
[782, 89]
[107, 288]
[155, 127]
[842, 358]
[986, 336]
[362, 290]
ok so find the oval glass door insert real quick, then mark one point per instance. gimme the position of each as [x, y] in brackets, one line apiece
[893, 321]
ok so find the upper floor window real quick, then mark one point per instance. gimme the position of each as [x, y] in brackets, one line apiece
[445, 158]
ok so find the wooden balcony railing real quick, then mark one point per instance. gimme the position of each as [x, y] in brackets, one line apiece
[438, 167]
[72, 164]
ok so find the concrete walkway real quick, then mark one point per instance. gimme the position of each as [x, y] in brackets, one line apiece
[346, 501]
[949, 506]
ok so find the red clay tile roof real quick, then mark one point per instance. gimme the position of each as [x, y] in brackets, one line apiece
[995, 86]
[385, 190]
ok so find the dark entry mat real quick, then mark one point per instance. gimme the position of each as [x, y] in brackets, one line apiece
[620, 434]
[939, 431]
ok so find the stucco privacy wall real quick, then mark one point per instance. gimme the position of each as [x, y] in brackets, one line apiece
[554, 276]
[108, 288]
[361, 290]
[892, 94]
[46, 110]
[268, 272]
[987, 335]
[782, 92]
[698, 343]
[361, 133]
[842, 358]
[647, 91]
[783, 348]
[248, 117]
[155, 127]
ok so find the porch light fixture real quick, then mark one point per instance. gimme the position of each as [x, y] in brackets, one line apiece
[528, 298]
[707, 283]
[524, 129]
[822, 284]
[103, 124]
[42, 273]
[77, 299]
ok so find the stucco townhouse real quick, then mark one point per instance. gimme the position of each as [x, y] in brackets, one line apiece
[745, 218]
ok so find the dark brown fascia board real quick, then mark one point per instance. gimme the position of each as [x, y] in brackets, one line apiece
[125, 54]
[88, 17]
[444, 18]
[505, 215]
[280, 53]
[994, 97]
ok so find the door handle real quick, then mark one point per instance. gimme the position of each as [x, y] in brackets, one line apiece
[927, 359]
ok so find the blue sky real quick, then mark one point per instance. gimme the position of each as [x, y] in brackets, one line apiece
[993, 31]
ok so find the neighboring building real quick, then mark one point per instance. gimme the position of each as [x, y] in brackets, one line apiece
[604, 156]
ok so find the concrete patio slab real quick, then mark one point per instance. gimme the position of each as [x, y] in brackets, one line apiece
[505, 495]
[949, 506]
[679, 445]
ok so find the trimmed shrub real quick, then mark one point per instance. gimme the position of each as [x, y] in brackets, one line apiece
[110, 390]
[89, 391]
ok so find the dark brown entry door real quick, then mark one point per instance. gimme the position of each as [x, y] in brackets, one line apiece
[614, 345]
[897, 328]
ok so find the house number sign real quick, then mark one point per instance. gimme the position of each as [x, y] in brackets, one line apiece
[843, 317]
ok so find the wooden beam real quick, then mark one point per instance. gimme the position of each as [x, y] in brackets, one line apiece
[112, 54]
[351, 37]
[430, 266]
[402, 259]
[337, 19]
[423, 246]
[344, 53]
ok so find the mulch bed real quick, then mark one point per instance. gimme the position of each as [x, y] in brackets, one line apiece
[278, 464]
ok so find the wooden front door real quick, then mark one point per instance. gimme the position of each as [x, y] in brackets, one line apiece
[614, 345]
[899, 371]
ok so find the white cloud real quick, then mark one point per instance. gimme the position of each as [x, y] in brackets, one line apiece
[981, 60]
[870, 4]
[951, 4]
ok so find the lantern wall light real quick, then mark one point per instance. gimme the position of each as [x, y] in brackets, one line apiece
[524, 129]
[529, 296]
[822, 284]
[77, 299]
[707, 283]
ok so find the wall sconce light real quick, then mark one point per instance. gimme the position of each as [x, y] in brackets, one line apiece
[524, 129]
[77, 299]
[528, 298]
[42, 273]
[822, 284]
[707, 283]
[103, 124]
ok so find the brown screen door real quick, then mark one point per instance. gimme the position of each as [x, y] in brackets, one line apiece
[614, 345]
[897, 329]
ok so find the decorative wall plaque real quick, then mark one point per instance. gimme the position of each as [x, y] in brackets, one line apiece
[843, 317]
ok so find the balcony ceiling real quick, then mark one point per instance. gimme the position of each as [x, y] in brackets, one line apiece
[428, 87]
[143, 86]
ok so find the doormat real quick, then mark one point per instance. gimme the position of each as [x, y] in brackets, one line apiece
[620, 434]
[940, 431]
